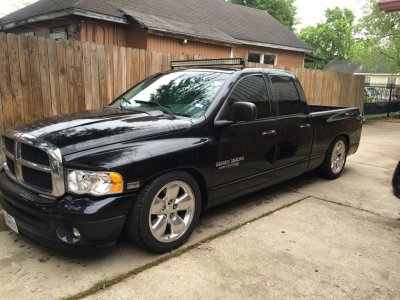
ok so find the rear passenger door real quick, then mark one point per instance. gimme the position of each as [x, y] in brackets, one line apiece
[294, 127]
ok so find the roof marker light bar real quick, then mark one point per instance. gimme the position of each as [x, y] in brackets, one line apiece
[207, 63]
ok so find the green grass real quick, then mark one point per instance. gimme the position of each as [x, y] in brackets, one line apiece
[393, 116]
[374, 117]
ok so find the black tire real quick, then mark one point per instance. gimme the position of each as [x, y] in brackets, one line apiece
[138, 225]
[396, 181]
[327, 169]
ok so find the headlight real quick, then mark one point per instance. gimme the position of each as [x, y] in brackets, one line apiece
[95, 183]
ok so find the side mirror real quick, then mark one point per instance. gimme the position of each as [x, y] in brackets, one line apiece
[243, 112]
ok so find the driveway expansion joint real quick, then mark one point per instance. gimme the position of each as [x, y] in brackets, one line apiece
[370, 165]
[343, 204]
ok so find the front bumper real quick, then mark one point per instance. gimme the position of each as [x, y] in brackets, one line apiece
[98, 220]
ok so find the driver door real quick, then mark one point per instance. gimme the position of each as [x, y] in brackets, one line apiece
[245, 151]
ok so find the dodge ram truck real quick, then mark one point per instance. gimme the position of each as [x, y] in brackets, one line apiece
[173, 145]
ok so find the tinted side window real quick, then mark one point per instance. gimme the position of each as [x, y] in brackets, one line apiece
[286, 95]
[252, 89]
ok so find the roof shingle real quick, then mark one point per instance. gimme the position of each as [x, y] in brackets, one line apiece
[210, 19]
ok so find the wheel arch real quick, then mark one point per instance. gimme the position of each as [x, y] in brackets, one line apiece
[346, 138]
[197, 175]
[202, 185]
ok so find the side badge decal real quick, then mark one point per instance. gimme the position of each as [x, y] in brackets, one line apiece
[133, 185]
[230, 163]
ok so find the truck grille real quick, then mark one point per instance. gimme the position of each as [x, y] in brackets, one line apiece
[34, 164]
[34, 155]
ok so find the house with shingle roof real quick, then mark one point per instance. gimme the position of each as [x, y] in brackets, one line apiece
[209, 28]
[379, 76]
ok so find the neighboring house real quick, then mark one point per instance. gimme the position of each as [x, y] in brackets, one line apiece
[209, 28]
[379, 77]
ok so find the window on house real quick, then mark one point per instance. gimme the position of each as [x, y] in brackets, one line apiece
[269, 59]
[286, 95]
[252, 89]
[367, 81]
[254, 57]
[59, 33]
[391, 80]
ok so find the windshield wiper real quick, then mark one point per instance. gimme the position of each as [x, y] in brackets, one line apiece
[154, 103]
[123, 101]
[125, 107]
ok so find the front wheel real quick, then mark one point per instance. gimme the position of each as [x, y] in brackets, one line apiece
[165, 212]
[335, 159]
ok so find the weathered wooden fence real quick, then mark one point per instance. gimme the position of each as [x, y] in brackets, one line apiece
[41, 77]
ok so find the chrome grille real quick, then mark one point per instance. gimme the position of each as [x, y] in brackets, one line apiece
[33, 163]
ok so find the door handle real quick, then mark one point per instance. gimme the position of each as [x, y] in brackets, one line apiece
[269, 132]
[305, 126]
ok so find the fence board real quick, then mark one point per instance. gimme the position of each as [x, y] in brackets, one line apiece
[87, 75]
[79, 103]
[69, 59]
[16, 86]
[36, 105]
[5, 83]
[109, 72]
[62, 78]
[44, 77]
[135, 66]
[147, 66]
[40, 77]
[142, 64]
[123, 69]
[129, 67]
[117, 71]
[103, 100]
[23, 54]
[53, 74]
[94, 61]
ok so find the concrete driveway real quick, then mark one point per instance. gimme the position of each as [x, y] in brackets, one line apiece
[307, 238]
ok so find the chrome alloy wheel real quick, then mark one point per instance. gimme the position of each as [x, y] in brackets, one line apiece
[172, 211]
[338, 157]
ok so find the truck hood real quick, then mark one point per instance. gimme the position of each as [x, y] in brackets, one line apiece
[92, 129]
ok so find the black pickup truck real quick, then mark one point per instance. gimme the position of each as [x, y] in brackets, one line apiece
[173, 145]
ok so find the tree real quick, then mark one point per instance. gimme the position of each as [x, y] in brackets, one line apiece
[333, 39]
[282, 10]
[378, 40]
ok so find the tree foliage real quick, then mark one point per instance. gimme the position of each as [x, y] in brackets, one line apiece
[333, 39]
[282, 10]
[378, 40]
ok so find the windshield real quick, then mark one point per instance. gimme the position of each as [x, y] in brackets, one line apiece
[179, 93]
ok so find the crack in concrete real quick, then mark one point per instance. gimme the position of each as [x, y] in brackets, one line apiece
[360, 163]
[343, 204]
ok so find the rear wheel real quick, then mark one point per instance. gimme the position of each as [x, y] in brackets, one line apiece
[335, 159]
[165, 212]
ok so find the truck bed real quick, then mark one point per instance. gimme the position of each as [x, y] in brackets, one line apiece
[328, 109]
[331, 121]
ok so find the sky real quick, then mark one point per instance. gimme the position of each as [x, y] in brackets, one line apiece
[309, 12]
[8, 6]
